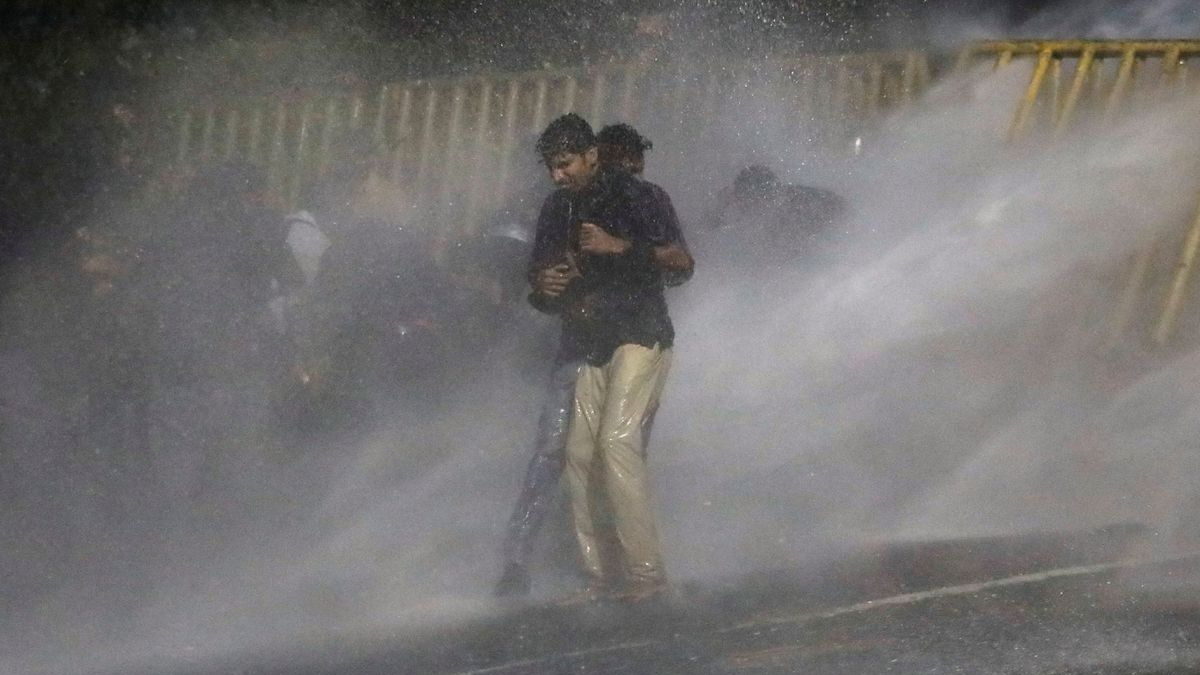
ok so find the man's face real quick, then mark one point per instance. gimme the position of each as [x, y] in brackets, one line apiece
[572, 170]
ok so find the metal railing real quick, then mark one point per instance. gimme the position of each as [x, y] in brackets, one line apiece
[451, 146]
[1073, 76]
[1073, 80]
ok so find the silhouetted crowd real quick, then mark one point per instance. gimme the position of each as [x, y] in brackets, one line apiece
[192, 328]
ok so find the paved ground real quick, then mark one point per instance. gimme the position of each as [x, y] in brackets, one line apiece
[1063, 604]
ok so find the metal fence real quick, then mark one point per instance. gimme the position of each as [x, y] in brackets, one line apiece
[1072, 81]
[450, 146]
[1074, 78]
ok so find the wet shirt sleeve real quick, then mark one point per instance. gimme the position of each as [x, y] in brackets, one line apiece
[549, 242]
[652, 223]
[673, 232]
[549, 246]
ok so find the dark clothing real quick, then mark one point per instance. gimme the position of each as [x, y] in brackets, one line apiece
[214, 275]
[815, 209]
[789, 212]
[674, 235]
[618, 299]
[779, 227]
[545, 467]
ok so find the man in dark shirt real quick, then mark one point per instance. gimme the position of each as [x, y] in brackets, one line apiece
[594, 264]
[622, 146]
[619, 145]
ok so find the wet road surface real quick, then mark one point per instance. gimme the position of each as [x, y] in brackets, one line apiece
[1102, 602]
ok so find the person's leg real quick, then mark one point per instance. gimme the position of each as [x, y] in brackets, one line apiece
[607, 534]
[581, 475]
[648, 426]
[636, 376]
[540, 486]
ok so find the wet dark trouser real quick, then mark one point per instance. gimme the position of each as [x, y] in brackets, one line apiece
[549, 459]
[545, 467]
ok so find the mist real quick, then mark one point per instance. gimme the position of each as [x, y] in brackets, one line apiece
[946, 368]
[934, 380]
[1159, 19]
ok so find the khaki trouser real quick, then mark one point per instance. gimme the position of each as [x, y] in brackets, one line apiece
[605, 452]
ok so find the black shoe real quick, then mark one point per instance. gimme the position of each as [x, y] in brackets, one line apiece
[514, 581]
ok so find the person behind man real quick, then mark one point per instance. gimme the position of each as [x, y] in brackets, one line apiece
[622, 146]
[594, 264]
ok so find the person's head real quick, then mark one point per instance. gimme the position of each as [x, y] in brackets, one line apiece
[568, 148]
[621, 145]
[755, 182]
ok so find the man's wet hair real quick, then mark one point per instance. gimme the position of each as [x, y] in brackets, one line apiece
[619, 141]
[569, 133]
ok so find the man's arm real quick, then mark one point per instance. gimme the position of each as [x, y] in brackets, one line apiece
[664, 248]
[675, 262]
[548, 275]
[673, 259]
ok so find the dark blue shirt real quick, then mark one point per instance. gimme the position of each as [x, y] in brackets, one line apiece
[618, 299]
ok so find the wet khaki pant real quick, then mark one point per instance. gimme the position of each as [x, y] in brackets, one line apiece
[606, 454]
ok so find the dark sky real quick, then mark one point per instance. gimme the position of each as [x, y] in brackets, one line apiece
[417, 19]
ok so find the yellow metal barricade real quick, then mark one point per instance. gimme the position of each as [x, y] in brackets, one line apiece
[1072, 81]
[1071, 77]
[451, 146]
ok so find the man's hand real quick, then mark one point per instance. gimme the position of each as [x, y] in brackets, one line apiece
[552, 281]
[593, 239]
[673, 258]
